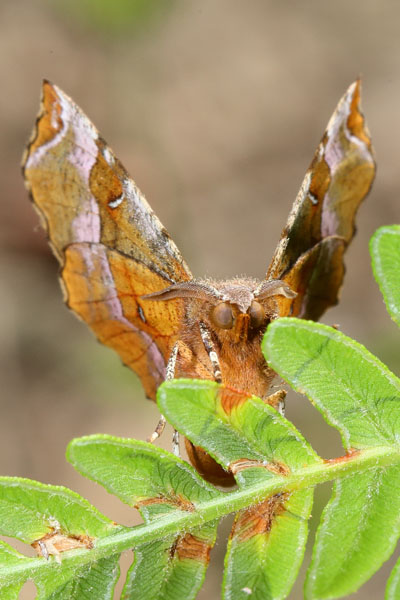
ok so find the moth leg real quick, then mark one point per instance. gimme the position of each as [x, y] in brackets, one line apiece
[170, 373]
[209, 346]
[43, 550]
[277, 400]
[158, 430]
[175, 443]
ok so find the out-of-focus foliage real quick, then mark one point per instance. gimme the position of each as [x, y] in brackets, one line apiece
[116, 17]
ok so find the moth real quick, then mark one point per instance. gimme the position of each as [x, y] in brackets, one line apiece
[124, 276]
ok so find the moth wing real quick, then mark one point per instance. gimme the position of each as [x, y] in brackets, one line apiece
[111, 246]
[309, 256]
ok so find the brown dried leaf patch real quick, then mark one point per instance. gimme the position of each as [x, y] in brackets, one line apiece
[247, 463]
[178, 501]
[55, 543]
[193, 548]
[259, 519]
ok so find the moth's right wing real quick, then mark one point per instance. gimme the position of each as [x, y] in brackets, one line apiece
[111, 246]
[309, 256]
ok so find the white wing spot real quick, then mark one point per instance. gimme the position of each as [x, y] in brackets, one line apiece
[116, 202]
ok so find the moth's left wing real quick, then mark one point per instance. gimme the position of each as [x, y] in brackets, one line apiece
[111, 246]
[309, 256]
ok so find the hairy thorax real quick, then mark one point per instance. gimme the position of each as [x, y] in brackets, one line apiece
[228, 318]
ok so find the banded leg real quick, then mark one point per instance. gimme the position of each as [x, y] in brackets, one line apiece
[43, 550]
[209, 346]
[170, 373]
[175, 443]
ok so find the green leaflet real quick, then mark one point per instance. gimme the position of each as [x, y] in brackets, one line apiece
[359, 396]
[157, 573]
[152, 478]
[158, 483]
[354, 391]
[393, 585]
[243, 433]
[358, 532]
[385, 253]
[8, 557]
[266, 547]
[96, 580]
[31, 511]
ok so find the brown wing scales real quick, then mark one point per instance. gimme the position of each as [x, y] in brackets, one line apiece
[309, 256]
[111, 246]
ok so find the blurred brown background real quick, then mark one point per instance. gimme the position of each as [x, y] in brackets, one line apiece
[215, 108]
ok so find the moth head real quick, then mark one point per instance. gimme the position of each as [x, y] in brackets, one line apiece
[238, 307]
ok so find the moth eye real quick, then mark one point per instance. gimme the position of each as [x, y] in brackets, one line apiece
[257, 315]
[222, 316]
